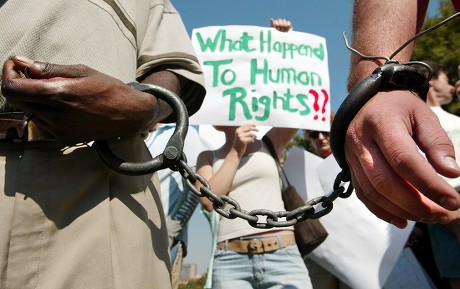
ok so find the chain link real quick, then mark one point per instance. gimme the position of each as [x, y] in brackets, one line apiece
[262, 218]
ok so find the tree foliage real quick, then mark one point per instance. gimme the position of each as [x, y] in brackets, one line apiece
[194, 284]
[441, 45]
[302, 141]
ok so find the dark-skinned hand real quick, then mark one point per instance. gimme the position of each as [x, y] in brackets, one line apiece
[75, 103]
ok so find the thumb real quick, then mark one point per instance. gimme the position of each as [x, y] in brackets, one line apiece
[437, 146]
[43, 70]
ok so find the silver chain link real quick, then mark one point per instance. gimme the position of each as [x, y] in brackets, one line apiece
[231, 209]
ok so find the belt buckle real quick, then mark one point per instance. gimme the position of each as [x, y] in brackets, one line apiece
[17, 128]
[255, 246]
[13, 127]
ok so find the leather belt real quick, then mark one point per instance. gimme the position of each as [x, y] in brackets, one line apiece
[258, 245]
[15, 128]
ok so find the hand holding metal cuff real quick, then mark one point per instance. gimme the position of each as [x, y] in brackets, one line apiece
[174, 149]
[388, 77]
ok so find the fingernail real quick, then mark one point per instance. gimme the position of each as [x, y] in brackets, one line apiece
[451, 163]
[430, 220]
[449, 203]
[401, 224]
[442, 219]
[24, 59]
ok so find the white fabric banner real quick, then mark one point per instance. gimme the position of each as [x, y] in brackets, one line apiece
[258, 74]
[361, 249]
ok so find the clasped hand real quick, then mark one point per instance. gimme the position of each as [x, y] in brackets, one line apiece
[75, 103]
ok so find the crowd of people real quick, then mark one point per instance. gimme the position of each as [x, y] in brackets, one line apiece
[69, 221]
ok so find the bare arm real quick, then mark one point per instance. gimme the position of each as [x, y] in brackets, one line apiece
[219, 181]
[280, 138]
[381, 27]
[169, 80]
[222, 179]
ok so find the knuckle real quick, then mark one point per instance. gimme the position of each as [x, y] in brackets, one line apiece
[370, 194]
[398, 158]
[81, 69]
[442, 141]
[365, 191]
[6, 86]
[48, 68]
[428, 187]
[381, 184]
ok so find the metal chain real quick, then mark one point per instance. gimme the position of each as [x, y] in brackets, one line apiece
[174, 159]
[224, 205]
[312, 209]
[231, 209]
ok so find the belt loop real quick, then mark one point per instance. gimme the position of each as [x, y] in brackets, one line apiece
[226, 245]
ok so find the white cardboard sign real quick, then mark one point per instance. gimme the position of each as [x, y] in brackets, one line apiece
[260, 75]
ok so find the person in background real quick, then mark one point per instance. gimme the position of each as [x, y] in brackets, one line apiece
[243, 169]
[66, 219]
[382, 142]
[457, 84]
[445, 238]
[244, 256]
[178, 201]
[320, 140]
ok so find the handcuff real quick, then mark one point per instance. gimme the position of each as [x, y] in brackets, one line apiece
[173, 151]
[388, 77]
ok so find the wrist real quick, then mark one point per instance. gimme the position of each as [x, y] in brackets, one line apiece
[236, 153]
[388, 77]
[361, 70]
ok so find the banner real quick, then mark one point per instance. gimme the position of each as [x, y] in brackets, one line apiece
[361, 249]
[260, 75]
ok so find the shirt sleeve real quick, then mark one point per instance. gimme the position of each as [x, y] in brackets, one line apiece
[166, 43]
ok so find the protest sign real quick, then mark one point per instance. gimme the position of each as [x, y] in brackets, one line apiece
[260, 75]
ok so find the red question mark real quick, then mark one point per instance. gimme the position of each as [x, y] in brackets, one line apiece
[315, 103]
[326, 99]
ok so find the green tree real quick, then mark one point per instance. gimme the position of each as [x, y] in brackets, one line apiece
[441, 45]
[194, 284]
[302, 141]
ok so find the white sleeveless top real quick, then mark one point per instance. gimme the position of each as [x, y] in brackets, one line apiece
[256, 186]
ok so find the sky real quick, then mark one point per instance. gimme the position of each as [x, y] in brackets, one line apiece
[326, 18]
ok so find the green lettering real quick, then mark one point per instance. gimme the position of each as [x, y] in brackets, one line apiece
[215, 69]
[265, 44]
[209, 43]
[265, 101]
[256, 71]
[244, 43]
[302, 100]
[285, 100]
[313, 76]
[237, 96]
[319, 52]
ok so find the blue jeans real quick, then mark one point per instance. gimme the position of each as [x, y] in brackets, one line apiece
[446, 251]
[280, 269]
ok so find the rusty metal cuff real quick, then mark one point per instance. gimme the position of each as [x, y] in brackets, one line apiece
[388, 77]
